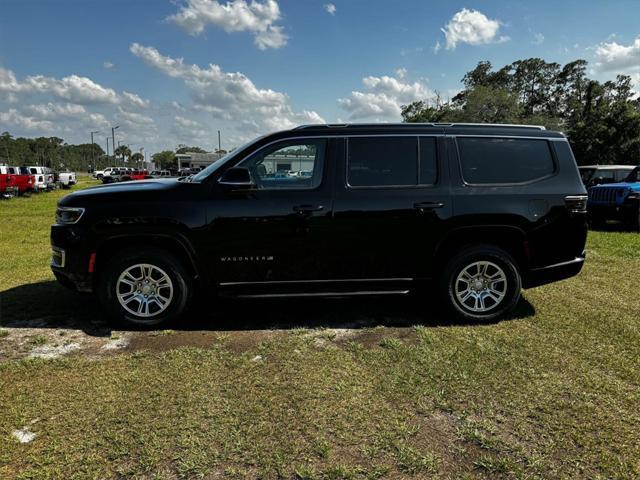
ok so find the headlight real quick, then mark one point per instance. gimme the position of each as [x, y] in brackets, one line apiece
[68, 215]
[633, 196]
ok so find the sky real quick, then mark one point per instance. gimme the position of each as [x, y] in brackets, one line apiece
[171, 72]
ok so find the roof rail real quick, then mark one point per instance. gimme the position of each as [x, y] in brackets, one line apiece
[345, 125]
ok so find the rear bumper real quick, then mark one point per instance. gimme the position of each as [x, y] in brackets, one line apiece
[552, 273]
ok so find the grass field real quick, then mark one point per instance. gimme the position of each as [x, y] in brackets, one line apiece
[336, 389]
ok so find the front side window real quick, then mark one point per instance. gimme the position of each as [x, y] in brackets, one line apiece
[294, 164]
[504, 160]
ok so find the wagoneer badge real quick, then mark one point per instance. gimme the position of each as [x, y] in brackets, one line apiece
[259, 258]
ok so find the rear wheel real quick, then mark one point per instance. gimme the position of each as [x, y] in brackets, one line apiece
[481, 283]
[145, 287]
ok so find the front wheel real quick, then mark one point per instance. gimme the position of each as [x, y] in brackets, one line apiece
[145, 287]
[481, 283]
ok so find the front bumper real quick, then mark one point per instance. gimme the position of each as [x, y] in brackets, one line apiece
[552, 273]
[70, 254]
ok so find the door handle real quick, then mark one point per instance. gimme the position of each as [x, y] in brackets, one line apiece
[307, 208]
[422, 206]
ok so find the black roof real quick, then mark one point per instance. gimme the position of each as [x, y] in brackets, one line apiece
[433, 128]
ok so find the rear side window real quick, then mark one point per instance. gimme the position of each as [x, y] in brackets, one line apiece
[391, 161]
[504, 160]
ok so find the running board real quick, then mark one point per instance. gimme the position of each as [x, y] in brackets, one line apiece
[323, 294]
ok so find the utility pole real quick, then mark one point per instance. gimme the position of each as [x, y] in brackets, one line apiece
[107, 148]
[113, 139]
[219, 144]
[93, 151]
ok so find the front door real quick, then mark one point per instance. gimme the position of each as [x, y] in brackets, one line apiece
[277, 231]
[391, 204]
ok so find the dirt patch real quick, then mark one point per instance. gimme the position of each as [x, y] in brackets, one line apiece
[374, 337]
[237, 342]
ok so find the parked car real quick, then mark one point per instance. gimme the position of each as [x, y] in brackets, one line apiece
[6, 188]
[616, 201]
[161, 174]
[43, 178]
[99, 174]
[135, 175]
[472, 212]
[116, 175]
[21, 180]
[67, 179]
[598, 174]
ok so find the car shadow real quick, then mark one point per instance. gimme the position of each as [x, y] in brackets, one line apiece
[49, 305]
[613, 226]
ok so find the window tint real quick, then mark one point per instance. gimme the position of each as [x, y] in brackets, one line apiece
[295, 164]
[504, 160]
[621, 175]
[382, 161]
[428, 161]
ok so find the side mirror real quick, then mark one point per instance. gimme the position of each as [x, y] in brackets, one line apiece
[237, 177]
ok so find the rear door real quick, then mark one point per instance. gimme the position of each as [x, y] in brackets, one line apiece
[391, 205]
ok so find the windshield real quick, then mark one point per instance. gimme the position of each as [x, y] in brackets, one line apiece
[200, 176]
[586, 174]
[633, 176]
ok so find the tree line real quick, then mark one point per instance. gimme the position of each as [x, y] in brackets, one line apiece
[601, 119]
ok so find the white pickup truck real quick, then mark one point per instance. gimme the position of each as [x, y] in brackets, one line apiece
[67, 179]
[100, 174]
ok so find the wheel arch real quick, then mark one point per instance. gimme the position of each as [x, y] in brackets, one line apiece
[176, 244]
[510, 238]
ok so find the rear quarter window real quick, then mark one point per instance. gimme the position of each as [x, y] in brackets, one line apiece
[504, 160]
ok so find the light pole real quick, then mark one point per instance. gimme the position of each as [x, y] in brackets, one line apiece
[113, 139]
[107, 148]
[93, 151]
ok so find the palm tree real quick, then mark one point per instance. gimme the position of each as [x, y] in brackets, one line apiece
[123, 151]
[138, 158]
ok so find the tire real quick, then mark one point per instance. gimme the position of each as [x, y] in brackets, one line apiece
[129, 306]
[485, 301]
[632, 222]
[597, 221]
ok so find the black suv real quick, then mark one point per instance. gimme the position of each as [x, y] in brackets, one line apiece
[480, 211]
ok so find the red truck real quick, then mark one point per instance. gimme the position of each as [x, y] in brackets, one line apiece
[15, 181]
[21, 180]
[135, 175]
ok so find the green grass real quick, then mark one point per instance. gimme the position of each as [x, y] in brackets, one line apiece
[552, 394]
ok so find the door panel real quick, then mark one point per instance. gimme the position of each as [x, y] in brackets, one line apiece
[389, 231]
[277, 232]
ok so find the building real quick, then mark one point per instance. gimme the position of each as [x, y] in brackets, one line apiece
[196, 160]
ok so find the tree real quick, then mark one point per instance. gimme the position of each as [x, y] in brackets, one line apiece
[185, 149]
[123, 151]
[602, 120]
[137, 158]
[165, 159]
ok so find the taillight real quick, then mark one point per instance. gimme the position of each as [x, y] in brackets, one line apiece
[576, 203]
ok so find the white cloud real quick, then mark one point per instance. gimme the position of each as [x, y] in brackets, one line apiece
[330, 8]
[615, 57]
[134, 120]
[232, 97]
[257, 17]
[538, 39]
[437, 47]
[401, 73]
[383, 98]
[471, 27]
[134, 100]
[107, 64]
[74, 89]
[55, 110]
[13, 117]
